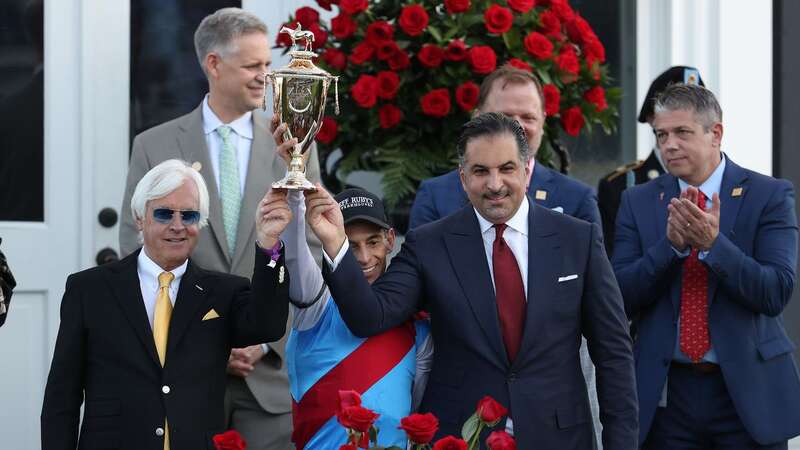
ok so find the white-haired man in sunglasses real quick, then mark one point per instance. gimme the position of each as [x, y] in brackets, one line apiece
[144, 342]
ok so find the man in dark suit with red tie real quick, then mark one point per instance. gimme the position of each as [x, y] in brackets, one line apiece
[705, 256]
[510, 287]
[144, 342]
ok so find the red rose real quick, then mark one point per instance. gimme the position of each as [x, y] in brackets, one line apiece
[520, 64]
[538, 45]
[594, 50]
[399, 60]
[563, 10]
[283, 39]
[361, 53]
[579, 30]
[482, 59]
[334, 58]
[328, 131]
[456, 6]
[353, 6]
[307, 16]
[357, 418]
[597, 97]
[389, 116]
[436, 103]
[498, 19]
[420, 428]
[450, 443]
[456, 51]
[567, 60]
[349, 398]
[522, 6]
[379, 31]
[413, 19]
[572, 121]
[326, 4]
[386, 49]
[550, 24]
[500, 440]
[388, 82]
[430, 56]
[490, 411]
[467, 95]
[552, 98]
[365, 91]
[343, 26]
[229, 440]
[320, 36]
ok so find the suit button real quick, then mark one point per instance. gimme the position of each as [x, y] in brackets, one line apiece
[159, 431]
[165, 389]
[512, 377]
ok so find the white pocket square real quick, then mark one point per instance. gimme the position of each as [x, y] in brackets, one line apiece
[559, 209]
[567, 278]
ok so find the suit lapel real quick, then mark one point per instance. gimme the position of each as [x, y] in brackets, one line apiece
[259, 174]
[190, 299]
[733, 177]
[192, 143]
[544, 264]
[542, 182]
[124, 281]
[465, 243]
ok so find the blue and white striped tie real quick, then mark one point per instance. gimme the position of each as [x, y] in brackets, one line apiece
[229, 186]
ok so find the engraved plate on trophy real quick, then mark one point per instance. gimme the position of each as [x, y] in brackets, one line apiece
[299, 91]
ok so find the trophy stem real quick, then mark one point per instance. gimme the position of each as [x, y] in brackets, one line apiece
[295, 177]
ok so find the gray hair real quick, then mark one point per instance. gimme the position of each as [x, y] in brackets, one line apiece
[217, 31]
[164, 179]
[690, 97]
[492, 124]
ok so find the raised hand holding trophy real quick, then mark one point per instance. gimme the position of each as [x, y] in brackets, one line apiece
[299, 91]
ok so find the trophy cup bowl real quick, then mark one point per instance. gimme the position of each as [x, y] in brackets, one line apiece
[299, 93]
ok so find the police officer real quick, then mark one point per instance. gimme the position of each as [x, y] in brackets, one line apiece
[609, 190]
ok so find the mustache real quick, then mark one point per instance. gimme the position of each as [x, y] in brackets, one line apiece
[495, 194]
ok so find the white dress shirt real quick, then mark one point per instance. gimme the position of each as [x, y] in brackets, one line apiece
[516, 237]
[242, 140]
[148, 272]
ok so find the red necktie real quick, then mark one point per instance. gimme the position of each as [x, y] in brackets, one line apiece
[695, 341]
[509, 292]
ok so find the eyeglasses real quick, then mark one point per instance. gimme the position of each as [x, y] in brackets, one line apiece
[165, 215]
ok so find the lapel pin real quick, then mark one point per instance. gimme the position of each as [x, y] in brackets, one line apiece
[197, 166]
[198, 287]
[280, 275]
[271, 264]
[541, 195]
[652, 174]
[661, 196]
[737, 192]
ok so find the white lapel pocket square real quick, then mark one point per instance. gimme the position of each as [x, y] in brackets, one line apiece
[568, 278]
[559, 209]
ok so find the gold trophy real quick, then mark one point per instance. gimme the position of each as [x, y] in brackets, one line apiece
[299, 91]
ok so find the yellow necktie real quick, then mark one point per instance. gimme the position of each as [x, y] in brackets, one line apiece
[161, 328]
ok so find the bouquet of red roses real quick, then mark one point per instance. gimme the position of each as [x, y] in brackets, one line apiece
[412, 70]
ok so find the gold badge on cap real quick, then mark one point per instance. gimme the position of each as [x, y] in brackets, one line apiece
[541, 195]
[652, 174]
[197, 166]
[737, 192]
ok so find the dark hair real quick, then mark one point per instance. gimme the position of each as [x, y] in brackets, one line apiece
[492, 124]
[508, 74]
[690, 97]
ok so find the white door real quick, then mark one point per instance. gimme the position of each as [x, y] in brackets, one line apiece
[85, 158]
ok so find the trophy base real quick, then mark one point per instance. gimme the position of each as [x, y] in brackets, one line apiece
[296, 183]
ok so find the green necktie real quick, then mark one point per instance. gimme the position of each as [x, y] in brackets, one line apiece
[229, 186]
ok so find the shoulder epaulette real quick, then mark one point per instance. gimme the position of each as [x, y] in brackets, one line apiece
[624, 169]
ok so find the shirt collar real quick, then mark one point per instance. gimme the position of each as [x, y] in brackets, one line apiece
[713, 183]
[518, 222]
[151, 270]
[243, 126]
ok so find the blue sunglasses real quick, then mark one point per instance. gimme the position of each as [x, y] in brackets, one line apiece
[165, 215]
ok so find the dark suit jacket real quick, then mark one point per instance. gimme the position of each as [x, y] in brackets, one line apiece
[445, 263]
[105, 356]
[444, 195]
[751, 269]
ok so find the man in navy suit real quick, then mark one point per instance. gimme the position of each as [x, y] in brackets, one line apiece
[510, 286]
[706, 256]
[518, 94]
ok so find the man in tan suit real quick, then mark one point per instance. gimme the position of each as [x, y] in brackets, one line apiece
[232, 146]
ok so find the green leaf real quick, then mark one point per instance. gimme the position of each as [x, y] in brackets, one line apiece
[435, 33]
[373, 434]
[470, 427]
[512, 39]
[545, 77]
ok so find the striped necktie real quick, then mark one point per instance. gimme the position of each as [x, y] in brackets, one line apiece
[229, 186]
